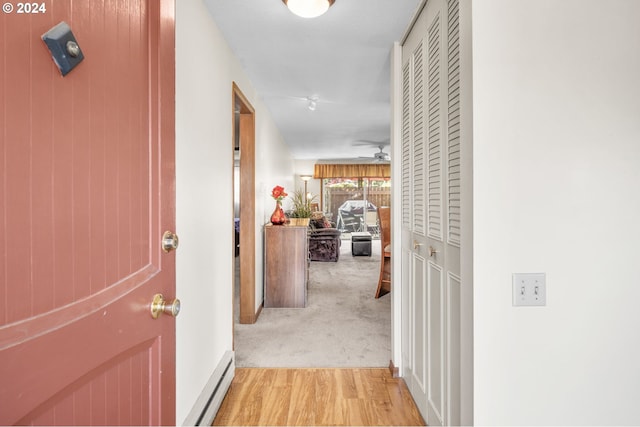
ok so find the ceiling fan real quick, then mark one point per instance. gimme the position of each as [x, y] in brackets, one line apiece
[379, 157]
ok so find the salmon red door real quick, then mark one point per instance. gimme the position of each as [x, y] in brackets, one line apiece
[86, 192]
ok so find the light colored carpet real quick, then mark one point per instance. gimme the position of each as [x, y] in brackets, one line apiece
[343, 324]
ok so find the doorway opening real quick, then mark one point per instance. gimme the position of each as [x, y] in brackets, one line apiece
[343, 323]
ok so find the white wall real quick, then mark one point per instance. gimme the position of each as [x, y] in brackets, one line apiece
[205, 70]
[557, 190]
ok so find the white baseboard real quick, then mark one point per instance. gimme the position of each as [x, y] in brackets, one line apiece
[206, 407]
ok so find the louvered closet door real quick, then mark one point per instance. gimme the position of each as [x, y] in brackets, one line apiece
[414, 208]
[431, 211]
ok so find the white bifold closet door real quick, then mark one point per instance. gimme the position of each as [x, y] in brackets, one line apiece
[430, 197]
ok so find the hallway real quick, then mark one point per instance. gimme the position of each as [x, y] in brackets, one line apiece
[342, 326]
[317, 397]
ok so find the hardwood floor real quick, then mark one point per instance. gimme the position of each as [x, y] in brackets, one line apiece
[317, 397]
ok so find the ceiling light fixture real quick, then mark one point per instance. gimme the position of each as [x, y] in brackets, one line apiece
[313, 103]
[308, 8]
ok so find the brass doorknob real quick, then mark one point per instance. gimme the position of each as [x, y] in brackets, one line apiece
[159, 305]
[416, 245]
[170, 241]
[432, 251]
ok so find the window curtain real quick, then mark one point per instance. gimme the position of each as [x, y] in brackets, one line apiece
[321, 171]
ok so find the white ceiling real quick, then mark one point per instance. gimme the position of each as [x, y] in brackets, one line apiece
[341, 57]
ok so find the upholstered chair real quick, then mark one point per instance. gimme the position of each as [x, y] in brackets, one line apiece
[324, 240]
[384, 281]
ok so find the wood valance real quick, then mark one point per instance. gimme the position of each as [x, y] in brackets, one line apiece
[321, 171]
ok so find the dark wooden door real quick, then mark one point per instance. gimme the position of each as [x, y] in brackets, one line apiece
[86, 192]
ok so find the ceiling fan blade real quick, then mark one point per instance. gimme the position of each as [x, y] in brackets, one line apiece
[372, 144]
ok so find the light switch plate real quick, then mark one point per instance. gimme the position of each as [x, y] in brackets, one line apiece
[529, 289]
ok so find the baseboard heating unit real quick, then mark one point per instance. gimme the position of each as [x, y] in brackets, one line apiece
[206, 407]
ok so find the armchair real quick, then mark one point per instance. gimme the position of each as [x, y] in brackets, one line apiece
[324, 244]
[324, 240]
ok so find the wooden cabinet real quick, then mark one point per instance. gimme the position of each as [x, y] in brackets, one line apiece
[286, 264]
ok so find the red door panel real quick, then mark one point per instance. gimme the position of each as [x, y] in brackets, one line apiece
[86, 191]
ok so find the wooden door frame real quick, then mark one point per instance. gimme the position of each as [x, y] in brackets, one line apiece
[246, 131]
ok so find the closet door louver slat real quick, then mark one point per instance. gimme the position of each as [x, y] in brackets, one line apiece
[418, 142]
[406, 145]
[434, 206]
[453, 126]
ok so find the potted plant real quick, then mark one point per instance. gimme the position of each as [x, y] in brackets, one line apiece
[301, 205]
